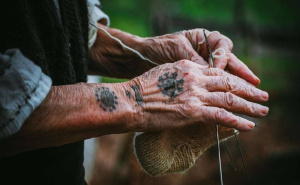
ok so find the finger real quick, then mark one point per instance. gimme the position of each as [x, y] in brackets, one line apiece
[233, 64]
[212, 38]
[217, 41]
[229, 60]
[215, 115]
[235, 104]
[238, 68]
[235, 85]
[220, 72]
[224, 43]
[195, 57]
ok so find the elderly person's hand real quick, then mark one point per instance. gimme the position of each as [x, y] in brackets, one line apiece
[184, 93]
[191, 45]
[108, 58]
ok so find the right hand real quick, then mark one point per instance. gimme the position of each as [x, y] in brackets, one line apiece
[184, 93]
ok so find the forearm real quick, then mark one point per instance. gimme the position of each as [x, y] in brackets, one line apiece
[127, 38]
[71, 113]
[109, 58]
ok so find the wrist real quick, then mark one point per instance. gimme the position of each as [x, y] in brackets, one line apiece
[109, 58]
[134, 102]
[128, 39]
[111, 112]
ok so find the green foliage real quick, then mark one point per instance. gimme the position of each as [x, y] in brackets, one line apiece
[273, 12]
[206, 10]
[112, 80]
[131, 16]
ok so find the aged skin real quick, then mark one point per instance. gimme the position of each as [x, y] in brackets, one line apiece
[108, 59]
[188, 93]
[169, 96]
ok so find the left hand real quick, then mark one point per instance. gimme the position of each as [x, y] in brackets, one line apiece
[191, 45]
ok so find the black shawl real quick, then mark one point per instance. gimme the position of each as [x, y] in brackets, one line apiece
[56, 39]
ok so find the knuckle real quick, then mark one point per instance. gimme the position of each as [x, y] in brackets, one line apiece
[189, 77]
[188, 108]
[212, 98]
[198, 30]
[200, 95]
[234, 122]
[221, 115]
[250, 107]
[180, 65]
[183, 64]
[219, 72]
[227, 84]
[251, 91]
[229, 99]
[227, 118]
[214, 71]
[230, 83]
[179, 41]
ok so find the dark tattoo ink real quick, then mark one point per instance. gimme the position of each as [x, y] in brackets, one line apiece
[128, 94]
[169, 85]
[106, 98]
[138, 97]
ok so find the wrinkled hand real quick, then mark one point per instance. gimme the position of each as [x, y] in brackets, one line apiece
[184, 93]
[191, 45]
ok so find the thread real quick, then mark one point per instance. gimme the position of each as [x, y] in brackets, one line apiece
[123, 45]
[147, 59]
[214, 53]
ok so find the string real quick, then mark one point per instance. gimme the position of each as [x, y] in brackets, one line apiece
[124, 46]
[215, 55]
[215, 52]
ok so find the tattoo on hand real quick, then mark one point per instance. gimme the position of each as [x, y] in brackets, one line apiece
[107, 99]
[128, 94]
[138, 97]
[169, 85]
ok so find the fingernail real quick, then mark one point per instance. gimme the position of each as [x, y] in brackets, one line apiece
[265, 95]
[258, 80]
[251, 125]
[265, 110]
[255, 78]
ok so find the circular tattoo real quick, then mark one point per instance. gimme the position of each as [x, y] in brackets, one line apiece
[169, 85]
[106, 98]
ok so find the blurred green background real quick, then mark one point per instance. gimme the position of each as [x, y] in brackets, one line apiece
[265, 34]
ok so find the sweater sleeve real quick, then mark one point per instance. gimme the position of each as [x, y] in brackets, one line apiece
[23, 88]
[96, 15]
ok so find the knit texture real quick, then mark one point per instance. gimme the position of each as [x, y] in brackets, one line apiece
[163, 152]
[54, 38]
